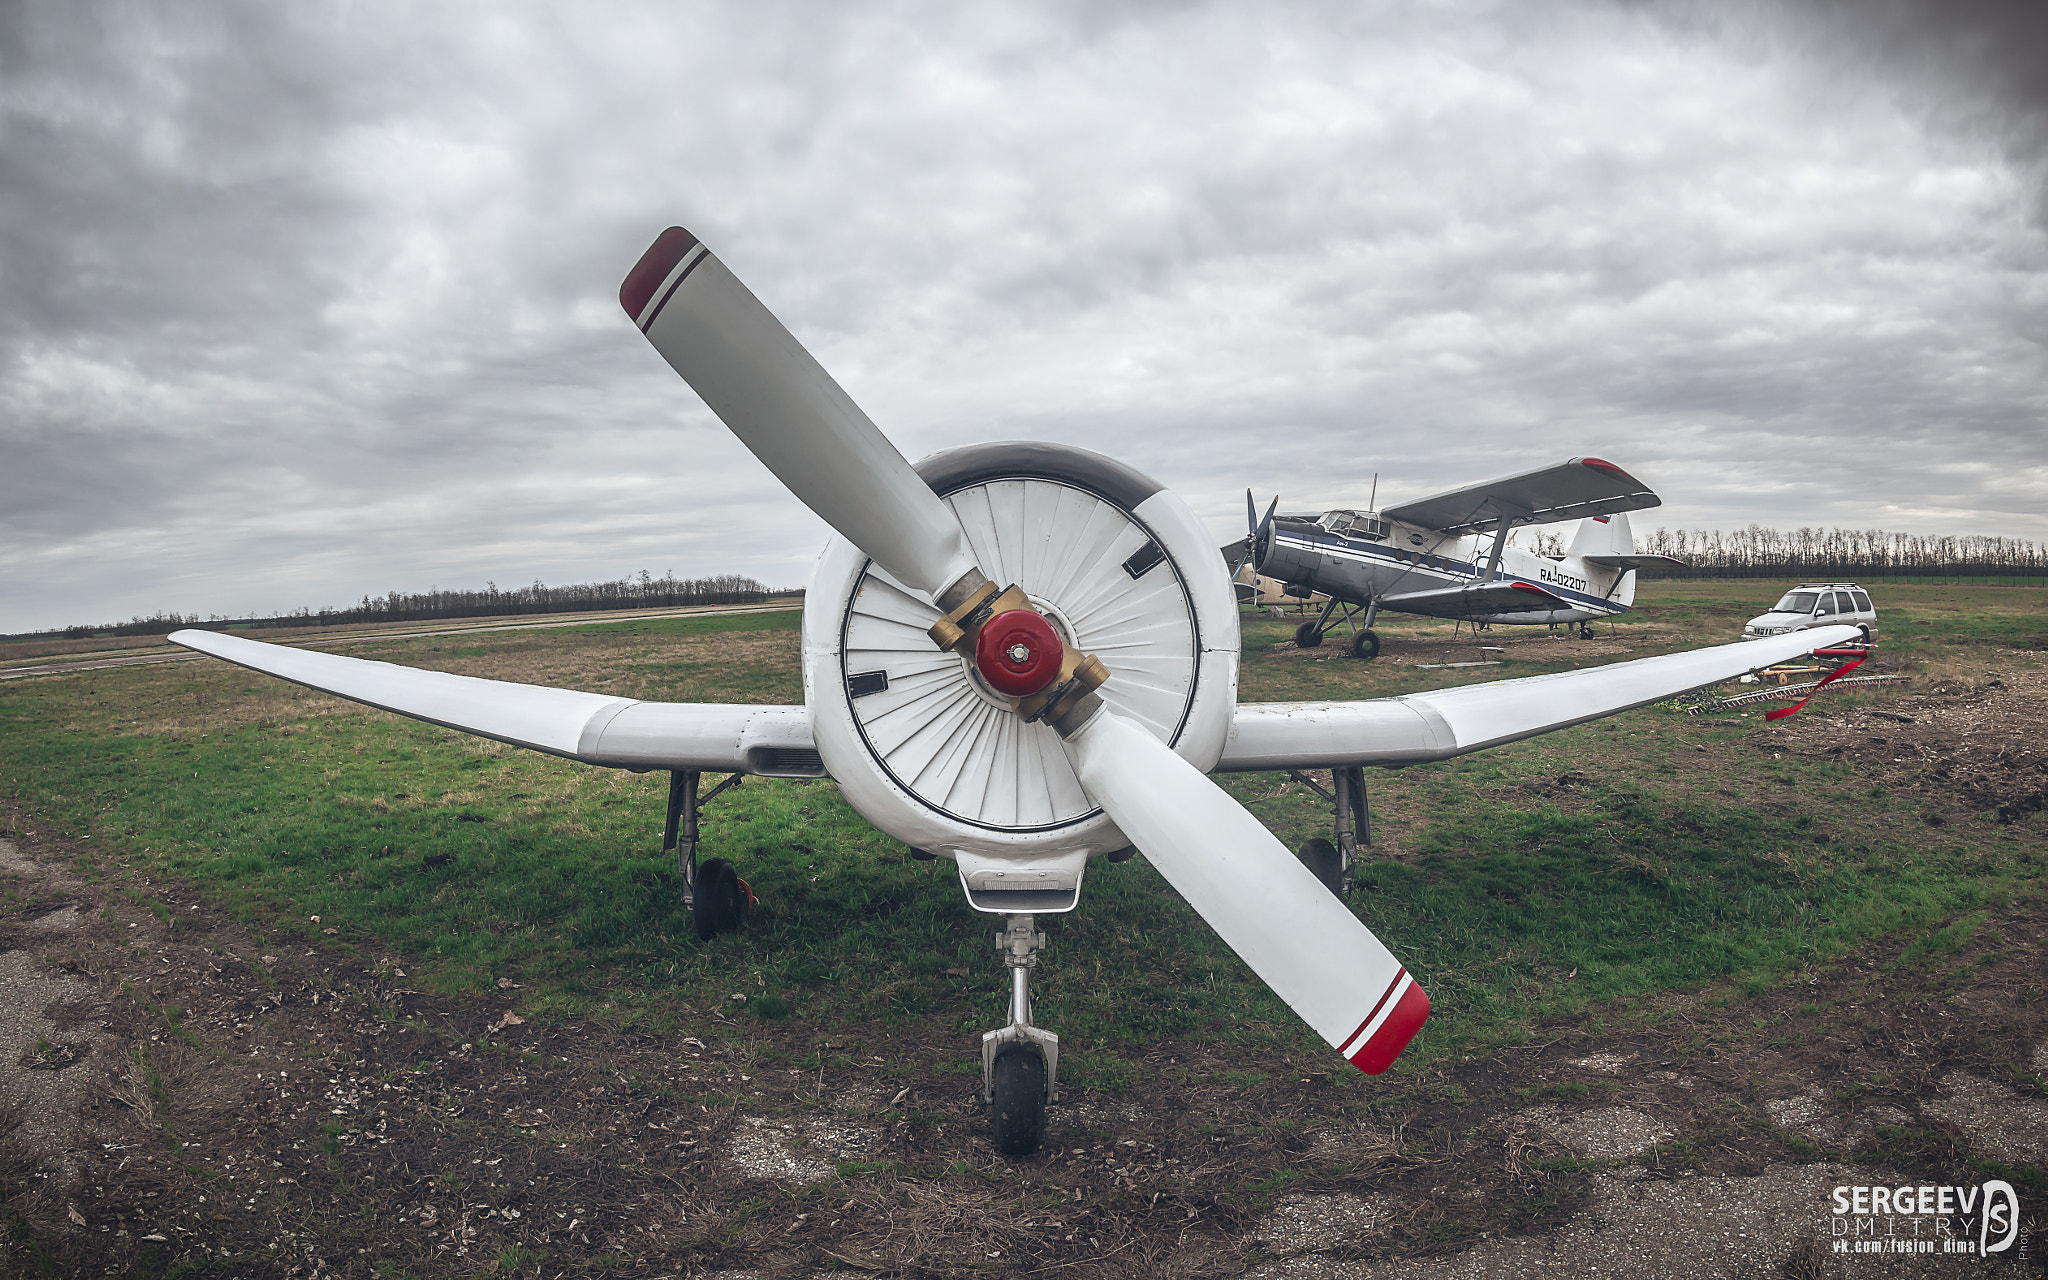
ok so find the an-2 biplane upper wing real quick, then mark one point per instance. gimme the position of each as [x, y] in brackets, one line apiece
[1419, 727]
[591, 727]
[1567, 491]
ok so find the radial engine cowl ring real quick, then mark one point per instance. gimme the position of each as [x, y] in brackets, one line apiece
[925, 747]
[1018, 652]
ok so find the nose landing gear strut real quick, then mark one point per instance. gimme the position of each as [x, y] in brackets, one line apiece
[1020, 1062]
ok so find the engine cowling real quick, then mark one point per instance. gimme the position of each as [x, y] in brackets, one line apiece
[922, 744]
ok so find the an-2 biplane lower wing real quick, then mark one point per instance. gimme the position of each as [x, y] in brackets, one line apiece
[1567, 491]
[1477, 600]
[591, 727]
[1419, 727]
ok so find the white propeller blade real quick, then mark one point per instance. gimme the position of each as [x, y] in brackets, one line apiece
[782, 404]
[1273, 912]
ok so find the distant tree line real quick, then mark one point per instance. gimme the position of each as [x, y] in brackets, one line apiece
[1757, 552]
[638, 591]
[155, 624]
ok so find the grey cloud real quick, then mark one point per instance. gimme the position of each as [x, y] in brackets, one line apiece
[304, 303]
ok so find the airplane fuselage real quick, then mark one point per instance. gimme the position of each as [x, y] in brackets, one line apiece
[1354, 569]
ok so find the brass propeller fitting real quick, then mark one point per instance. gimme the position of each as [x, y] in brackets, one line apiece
[963, 625]
[1079, 674]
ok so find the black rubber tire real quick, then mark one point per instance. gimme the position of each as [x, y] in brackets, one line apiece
[1016, 1116]
[718, 898]
[1306, 636]
[1866, 633]
[1366, 645]
[1321, 857]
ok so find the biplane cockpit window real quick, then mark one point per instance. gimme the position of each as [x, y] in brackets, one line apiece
[1352, 524]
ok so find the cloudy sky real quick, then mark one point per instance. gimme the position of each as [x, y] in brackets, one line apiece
[300, 302]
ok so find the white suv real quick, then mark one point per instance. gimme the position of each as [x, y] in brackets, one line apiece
[1816, 604]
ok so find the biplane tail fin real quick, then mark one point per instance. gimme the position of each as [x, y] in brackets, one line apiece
[1603, 536]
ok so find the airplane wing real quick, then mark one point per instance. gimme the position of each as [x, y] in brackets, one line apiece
[1476, 600]
[1567, 491]
[1635, 561]
[591, 727]
[1419, 727]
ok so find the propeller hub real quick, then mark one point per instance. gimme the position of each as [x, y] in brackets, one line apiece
[1018, 652]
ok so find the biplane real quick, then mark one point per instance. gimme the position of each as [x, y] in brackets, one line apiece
[1017, 657]
[1448, 556]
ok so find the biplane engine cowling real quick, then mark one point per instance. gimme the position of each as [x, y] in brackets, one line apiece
[919, 742]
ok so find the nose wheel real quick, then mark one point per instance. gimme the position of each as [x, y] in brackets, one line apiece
[1020, 1062]
[1017, 1099]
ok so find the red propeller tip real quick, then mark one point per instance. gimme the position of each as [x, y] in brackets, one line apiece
[1401, 1011]
[653, 268]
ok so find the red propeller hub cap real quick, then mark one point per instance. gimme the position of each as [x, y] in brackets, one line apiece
[1018, 653]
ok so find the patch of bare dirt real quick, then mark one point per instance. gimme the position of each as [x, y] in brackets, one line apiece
[1979, 742]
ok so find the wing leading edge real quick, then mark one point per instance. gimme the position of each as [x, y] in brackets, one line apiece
[591, 727]
[1419, 727]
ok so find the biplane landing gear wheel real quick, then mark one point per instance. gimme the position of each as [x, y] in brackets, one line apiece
[1307, 636]
[720, 898]
[1321, 857]
[1366, 645]
[1017, 1100]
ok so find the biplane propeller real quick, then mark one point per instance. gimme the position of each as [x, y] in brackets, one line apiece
[1016, 656]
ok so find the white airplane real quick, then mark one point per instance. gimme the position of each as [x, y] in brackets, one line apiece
[1019, 657]
[1447, 556]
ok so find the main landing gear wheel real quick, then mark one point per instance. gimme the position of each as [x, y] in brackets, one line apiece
[1017, 1113]
[720, 898]
[1366, 645]
[1306, 636]
[1321, 857]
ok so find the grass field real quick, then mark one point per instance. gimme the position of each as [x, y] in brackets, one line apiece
[1636, 855]
[304, 922]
